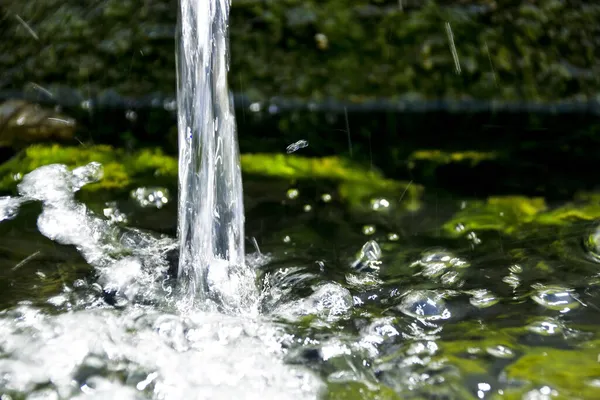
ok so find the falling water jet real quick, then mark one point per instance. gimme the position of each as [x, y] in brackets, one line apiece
[212, 270]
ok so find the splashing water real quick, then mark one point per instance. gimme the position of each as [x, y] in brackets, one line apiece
[211, 213]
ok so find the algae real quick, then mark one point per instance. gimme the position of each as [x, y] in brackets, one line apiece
[509, 214]
[122, 169]
[566, 371]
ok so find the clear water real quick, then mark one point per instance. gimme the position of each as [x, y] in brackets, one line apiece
[211, 210]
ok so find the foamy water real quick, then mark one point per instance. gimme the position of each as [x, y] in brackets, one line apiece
[150, 344]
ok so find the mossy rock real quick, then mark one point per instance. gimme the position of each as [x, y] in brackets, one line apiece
[509, 214]
[122, 169]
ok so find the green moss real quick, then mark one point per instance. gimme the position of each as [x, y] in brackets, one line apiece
[123, 169]
[358, 391]
[497, 213]
[472, 158]
[509, 213]
[120, 168]
[566, 371]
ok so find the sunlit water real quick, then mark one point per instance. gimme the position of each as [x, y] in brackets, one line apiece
[396, 310]
[211, 211]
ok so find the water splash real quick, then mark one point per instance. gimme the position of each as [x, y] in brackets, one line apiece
[211, 214]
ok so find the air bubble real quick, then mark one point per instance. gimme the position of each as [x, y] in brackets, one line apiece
[151, 196]
[368, 230]
[292, 194]
[556, 298]
[424, 304]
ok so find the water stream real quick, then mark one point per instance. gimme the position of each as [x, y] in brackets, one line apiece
[211, 211]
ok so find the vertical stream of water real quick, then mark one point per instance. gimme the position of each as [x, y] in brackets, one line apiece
[211, 211]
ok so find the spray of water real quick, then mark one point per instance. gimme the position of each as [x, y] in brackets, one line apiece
[211, 214]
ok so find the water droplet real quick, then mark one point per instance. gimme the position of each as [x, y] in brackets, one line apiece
[512, 280]
[483, 298]
[86, 104]
[170, 105]
[556, 298]
[500, 351]
[307, 208]
[459, 227]
[515, 269]
[424, 304]
[393, 237]
[473, 238]
[151, 196]
[286, 239]
[17, 177]
[543, 393]
[368, 257]
[292, 194]
[368, 229]
[254, 107]
[326, 197]
[300, 144]
[322, 41]
[273, 109]
[131, 115]
[380, 204]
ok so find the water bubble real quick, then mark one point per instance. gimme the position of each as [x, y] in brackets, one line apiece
[424, 304]
[322, 41]
[292, 194]
[500, 351]
[393, 237]
[512, 280]
[170, 105]
[556, 298]
[330, 301]
[300, 144]
[368, 257]
[368, 230]
[151, 196]
[380, 204]
[515, 269]
[86, 104]
[543, 393]
[483, 298]
[546, 327]
[326, 197]
[370, 251]
[435, 263]
[131, 115]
